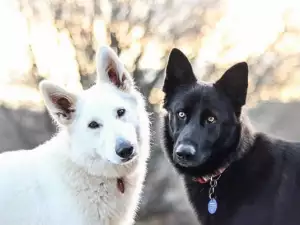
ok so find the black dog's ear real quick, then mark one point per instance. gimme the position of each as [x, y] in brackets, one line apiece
[179, 72]
[234, 83]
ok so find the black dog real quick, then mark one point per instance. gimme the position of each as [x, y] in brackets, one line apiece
[233, 175]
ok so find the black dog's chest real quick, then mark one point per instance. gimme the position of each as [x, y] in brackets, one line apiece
[241, 200]
[233, 207]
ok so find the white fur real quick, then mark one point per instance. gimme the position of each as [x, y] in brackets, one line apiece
[72, 178]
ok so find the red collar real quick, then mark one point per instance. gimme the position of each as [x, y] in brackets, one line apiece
[205, 179]
[121, 185]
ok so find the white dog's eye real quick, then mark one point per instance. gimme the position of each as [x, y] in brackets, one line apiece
[121, 112]
[94, 125]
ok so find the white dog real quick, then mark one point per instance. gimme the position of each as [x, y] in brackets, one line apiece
[92, 171]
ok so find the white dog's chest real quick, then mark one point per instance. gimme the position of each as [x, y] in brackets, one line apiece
[91, 203]
[106, 203]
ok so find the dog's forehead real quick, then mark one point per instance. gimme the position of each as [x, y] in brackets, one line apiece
[101, 94]
[102, 99]
[198, 93]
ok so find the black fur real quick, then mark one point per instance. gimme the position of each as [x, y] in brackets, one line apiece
[261, 186]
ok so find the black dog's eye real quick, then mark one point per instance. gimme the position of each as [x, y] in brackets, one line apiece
[121, 112]
[208, 117]
[94, 125]
[181, 115]
[211, 119]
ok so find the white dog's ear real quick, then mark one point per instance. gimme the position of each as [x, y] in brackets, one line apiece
[59, 102]
[111, 69]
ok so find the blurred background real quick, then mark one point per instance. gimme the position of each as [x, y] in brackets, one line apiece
[57, 39]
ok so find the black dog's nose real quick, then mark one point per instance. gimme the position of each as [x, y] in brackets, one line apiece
[124, 149]
[185, 152]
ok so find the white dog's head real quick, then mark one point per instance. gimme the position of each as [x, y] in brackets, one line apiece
[107, 125]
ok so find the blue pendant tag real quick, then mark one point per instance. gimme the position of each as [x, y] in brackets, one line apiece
[212, 206]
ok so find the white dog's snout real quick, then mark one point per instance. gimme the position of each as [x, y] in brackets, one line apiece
[124, 149]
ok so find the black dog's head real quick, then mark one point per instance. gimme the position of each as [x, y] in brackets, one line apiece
[202, 127]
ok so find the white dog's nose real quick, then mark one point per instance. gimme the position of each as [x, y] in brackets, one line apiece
[124, 149]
